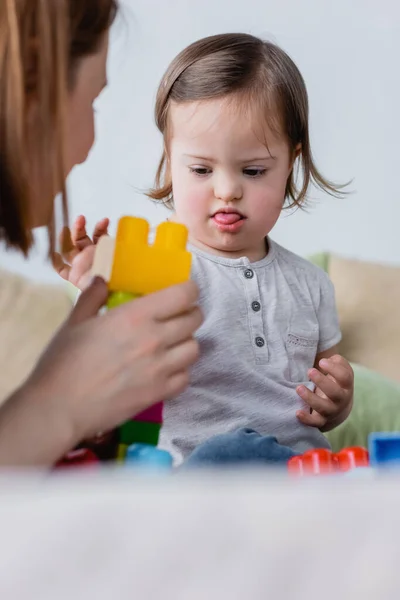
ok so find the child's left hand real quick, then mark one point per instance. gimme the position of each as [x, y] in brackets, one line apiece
[332, 399]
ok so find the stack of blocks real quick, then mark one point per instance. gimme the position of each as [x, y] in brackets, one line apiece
[143, 429]
[132, 268]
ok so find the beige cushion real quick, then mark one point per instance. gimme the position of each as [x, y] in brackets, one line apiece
[368, 300]
[29, 315]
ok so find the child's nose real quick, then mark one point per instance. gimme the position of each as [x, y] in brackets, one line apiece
[227, 189]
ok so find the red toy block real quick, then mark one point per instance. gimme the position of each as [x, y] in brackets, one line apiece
[323, 461]
[313, 462]
[351, 458]
[154, 414]
[295, 465]
[81, 457]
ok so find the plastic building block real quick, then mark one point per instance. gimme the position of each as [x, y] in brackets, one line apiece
[117, 298]
[154, 414]
[313, 462]
[133, 268]
[78, 458]
[384, 449]
[141, 269]
[121, 453]
[323, 461]
[139, 432]
[129, 264]
[352, 458]
[144, 455]
[103, 258]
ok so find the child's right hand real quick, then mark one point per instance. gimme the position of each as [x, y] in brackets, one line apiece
[75, 262]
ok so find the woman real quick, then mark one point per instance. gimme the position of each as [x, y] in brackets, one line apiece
[52, 67]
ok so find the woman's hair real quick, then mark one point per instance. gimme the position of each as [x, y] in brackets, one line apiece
[257, 76]
[41, 44]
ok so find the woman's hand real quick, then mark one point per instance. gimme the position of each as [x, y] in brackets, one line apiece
[101, 370]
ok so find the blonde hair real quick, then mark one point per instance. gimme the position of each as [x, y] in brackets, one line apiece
[41, 42]
[252, 72]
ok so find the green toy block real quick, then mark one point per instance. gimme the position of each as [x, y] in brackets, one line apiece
[117, 298]
[139, 432]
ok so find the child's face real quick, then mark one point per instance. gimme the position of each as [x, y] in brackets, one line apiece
[228, 187]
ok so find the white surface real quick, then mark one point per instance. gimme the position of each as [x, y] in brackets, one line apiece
[215, 539]
[348, 53]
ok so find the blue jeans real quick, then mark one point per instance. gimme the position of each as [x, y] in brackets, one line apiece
[242, 447]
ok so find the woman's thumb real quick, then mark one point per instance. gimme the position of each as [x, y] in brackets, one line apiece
[90, 302]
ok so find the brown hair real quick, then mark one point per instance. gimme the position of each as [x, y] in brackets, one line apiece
[41, 43]
[254, 73]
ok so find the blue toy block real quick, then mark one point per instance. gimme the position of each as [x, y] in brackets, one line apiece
[384, 449]
[145, 455]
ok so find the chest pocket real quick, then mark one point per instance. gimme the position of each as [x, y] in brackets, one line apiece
[301, 346]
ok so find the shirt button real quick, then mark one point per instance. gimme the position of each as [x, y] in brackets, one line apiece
[249, 274]
[255, 306]
[260, 342]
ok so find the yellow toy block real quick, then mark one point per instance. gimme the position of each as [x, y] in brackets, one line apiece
[121, 452]
[140, 268]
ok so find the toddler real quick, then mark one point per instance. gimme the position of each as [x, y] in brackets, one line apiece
[233, 112]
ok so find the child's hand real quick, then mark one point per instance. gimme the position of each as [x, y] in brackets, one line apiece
[77, 252]
[332, 399]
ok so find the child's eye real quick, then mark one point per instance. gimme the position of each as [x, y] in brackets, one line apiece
[254, 172]
[200, 171]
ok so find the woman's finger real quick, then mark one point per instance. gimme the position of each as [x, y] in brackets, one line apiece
[90, 302]
[181, 328]
[170, 302]
[176, 384]
[159, 306]
[182, 356]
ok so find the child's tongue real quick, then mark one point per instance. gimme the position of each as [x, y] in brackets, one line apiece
[227, 218]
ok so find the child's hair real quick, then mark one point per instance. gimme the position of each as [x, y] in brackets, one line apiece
[41, 44]
[253, 73]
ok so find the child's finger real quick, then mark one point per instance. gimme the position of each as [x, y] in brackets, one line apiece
[100, 229]
[330, 387]
[79, 235]
[324, 406]
[80, 272]
[339, 369]
[313, 420]
[61, 267]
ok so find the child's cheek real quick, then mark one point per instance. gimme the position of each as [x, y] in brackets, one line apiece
[192, 204]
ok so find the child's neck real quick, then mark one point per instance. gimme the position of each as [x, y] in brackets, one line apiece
[253, 254]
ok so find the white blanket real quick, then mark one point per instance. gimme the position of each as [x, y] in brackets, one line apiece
[217, 537]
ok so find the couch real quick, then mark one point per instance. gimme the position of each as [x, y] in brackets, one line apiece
[367, 296]
[30, 313]
[369, 311]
